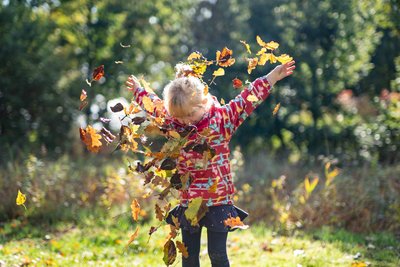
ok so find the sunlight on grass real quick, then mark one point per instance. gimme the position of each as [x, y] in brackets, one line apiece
[103, 245]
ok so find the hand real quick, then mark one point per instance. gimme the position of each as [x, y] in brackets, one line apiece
[132, 83]
[280, 72]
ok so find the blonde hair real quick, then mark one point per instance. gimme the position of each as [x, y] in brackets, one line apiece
[182, 95]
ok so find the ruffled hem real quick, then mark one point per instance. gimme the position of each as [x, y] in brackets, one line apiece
[213, 220]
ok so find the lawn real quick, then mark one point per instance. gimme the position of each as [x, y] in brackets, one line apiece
[100, 241]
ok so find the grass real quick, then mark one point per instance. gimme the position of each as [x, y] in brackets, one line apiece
[100, 241]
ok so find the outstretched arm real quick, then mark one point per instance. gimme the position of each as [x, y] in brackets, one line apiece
[140, 94]
[239, 108]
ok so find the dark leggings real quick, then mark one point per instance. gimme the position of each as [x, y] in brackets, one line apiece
[216, 242]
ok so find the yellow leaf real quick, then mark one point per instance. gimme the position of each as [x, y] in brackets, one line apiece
[194, 55]
[262, 51]
[263, 59]
[205, 91]
[182, 249]
[252, 64]
[284, 58]
[135, 207]
[247, 46]
[148, 104]
[252, 98]
[272, 45]
[21, 198]
[271, 57]
[276, 109]
[219, 72]
[222, 101]
[146, 85]
[133, 236]
[260, 41]
[193, 208]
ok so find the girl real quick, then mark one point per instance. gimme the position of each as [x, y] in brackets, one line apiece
[186, 104]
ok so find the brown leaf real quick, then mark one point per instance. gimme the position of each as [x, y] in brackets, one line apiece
[169, 252]
[98, 73]
[159, 213]
[224, 58]
[182, 249]
[117, 107]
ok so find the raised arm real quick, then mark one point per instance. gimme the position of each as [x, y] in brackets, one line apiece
[140, 94]
[239, 108]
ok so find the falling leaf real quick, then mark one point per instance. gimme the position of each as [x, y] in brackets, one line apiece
[193, 208]
[159, 213]
[21, 198]
[105, 120]
[98, 73]
[219, 72]
[148, 104]
[224, 58]
[133, 237]
[247, 46]
[119, 62]
[145, 85]
[260, 41]
[237, 83]
[169, 252]
[252, 64]
[168, 164]
[310, 187]
[107, 135]
[90, 138]
[263, 59]
[222, 101]
[252, 98]
[83, 95]
[117, 107]
[235, 222]
[284, 58]
[276, 108]
[214, 186]
[182, 249]
[83, 105]
[272, 58]
[135, 207]
[176, 221]
[194, 55]
[205, 91]
[124, 46]
[271, 45]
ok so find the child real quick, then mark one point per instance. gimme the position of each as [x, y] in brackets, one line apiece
[186, 104]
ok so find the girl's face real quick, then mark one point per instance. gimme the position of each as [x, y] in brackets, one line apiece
[196, 114]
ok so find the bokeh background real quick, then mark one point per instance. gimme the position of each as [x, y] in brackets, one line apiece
[339, 118]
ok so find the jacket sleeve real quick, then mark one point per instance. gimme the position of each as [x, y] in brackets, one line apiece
[238, 109]
[140, 95]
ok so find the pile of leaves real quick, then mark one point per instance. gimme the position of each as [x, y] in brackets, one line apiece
[143, 129]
